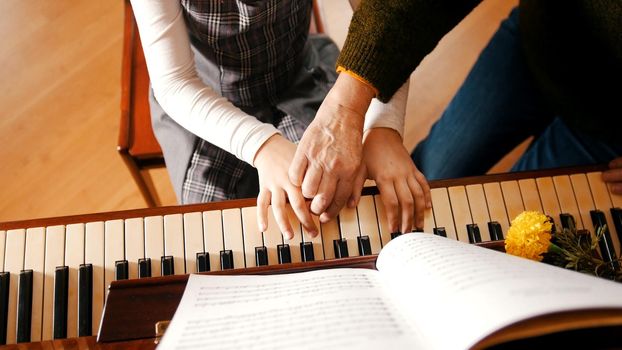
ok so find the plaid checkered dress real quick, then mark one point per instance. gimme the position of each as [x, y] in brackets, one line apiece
[258, 55]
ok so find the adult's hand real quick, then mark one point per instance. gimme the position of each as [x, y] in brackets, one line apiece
[404, 190]
[614, 176]
[330, 151]
[272, 162]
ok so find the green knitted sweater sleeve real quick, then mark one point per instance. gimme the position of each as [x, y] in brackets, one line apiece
[388, 38]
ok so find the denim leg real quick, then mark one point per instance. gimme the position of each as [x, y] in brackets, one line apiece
[495, 109]
[559, 146]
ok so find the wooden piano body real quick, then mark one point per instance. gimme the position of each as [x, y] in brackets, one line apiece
[118, 245]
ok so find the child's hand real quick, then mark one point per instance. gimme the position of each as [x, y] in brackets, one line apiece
[272, 162]
[404, 190]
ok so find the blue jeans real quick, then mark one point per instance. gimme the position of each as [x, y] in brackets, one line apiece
[497, 107]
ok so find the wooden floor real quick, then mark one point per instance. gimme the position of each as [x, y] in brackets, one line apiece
[59, 95]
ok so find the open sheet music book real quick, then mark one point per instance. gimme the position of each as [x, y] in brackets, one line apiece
[428, 292]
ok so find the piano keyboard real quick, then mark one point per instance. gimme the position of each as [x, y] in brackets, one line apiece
[56, 271]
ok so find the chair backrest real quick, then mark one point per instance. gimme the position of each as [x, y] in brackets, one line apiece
[136, 136]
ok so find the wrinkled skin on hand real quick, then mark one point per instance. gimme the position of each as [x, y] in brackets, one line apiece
[330, 151]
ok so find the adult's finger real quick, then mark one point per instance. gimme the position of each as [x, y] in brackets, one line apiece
[298, 167]
[300, 208]
[357, 187]
[311, 181]
[344, 190]
[324, 195]
[280, 214]
[263, 203]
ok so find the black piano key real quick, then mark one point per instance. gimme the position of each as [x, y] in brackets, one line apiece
[5, 279]
[553, 228]
[473, 232]
[144, 267]
[341, 248]
[167, 265]
[85, 300]
[24, 306]
[261, 256]
[567, 221]
[203, 262]
[121, 268]
[616, 215]
[496, 233]
[395, 234]
[606, 245]
[284, 254]
[439, 231]
[364, 245]
[61, 294]
[306, 251]
[226, 259]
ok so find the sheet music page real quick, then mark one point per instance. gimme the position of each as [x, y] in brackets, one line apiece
[457, 293]
[326, 309]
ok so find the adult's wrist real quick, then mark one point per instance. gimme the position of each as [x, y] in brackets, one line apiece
[353, 94]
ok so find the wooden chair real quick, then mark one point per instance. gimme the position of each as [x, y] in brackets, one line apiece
[137, 144]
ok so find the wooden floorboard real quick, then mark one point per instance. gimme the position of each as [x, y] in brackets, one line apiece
[60, 63]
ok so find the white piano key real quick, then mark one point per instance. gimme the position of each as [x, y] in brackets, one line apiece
[252, 236]
[74, 256]
[567, 200]
[318, 247]
[94, 254]
[330, 232]
[54, 257]
[479, 209]
[2, 247]
[550, 203]
[154, 243]
[530, 194]
[193, 239]
[35, 260]
[233, 236]
[442, 211]
[272, 237]
[383, 223]
[461, 211]
[602, 201]
[368, 222]
[294, 243]
[512, 198]
[213, 235]
[14, 263]
[429, 222]
[114, 248]
[616, 199]
[174, 241]
[585, 202]
[134, 245]
[349, 227]
[496, 205]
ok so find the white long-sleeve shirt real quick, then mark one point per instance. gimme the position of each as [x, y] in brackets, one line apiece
[196, 106]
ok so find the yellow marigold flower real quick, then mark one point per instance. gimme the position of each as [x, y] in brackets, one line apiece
[529, 235]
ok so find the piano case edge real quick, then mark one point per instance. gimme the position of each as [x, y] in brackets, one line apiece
[133, 307]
